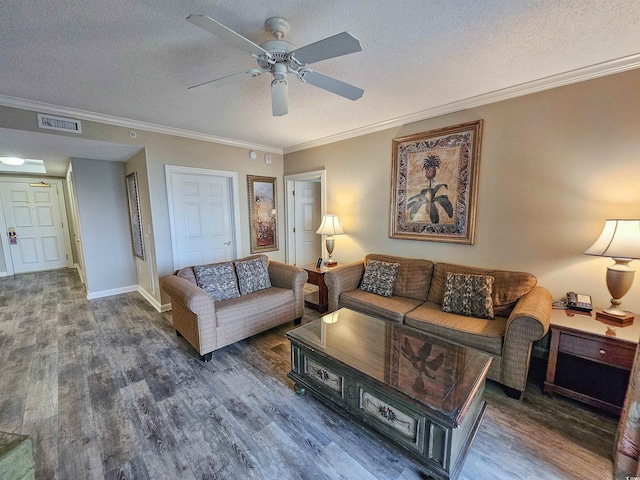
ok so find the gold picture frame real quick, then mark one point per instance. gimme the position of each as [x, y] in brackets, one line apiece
[263, 204]
[134, 215]
[434, 187]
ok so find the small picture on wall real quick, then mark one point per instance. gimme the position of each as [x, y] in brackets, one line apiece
[435, 182]
[262, 213]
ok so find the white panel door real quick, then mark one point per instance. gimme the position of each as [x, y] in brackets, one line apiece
[307, 221]
[33, 215]
[202, 225]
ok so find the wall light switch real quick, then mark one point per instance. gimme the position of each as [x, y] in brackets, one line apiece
[267, 159]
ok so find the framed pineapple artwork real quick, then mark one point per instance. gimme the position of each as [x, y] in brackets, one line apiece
[434, 187]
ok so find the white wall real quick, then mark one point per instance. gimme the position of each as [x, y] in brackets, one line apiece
[554, 166]
[104, 225]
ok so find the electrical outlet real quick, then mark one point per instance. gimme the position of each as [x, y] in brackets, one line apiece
[267, 159]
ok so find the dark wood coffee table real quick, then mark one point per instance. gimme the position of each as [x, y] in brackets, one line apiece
[421, 392]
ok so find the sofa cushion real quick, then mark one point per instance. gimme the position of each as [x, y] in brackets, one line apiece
[486, 335]
[468, 295]
[413, 278]
[251, 305]
[508, 287]
[253, 275]
[379, 277]
[389, 308]
[218, 280]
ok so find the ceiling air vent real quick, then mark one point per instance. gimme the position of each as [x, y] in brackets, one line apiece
[59, 123]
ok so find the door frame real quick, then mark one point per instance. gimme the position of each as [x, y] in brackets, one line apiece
[75, 217]
[8, 261]
[289, 207]
[234, 193]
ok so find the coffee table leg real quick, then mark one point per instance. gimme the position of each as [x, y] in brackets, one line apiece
[299, 389]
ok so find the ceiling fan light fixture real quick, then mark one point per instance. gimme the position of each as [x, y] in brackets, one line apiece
[14, 161]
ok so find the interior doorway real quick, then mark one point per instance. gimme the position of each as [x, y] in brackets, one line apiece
[305, 206]
[34, 224]
[203, 215]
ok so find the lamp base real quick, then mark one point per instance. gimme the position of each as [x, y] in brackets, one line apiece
[627, 319]
[330, 263]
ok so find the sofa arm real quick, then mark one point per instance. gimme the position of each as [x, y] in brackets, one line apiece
[292, 277]
[188, 294]
[342, 279]
[193, 313]
[528, 322]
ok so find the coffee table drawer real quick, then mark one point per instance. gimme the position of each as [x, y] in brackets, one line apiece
[324, 375]
[601, 351]
[385, 414]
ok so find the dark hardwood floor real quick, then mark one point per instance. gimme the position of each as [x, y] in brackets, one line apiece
[107, 390]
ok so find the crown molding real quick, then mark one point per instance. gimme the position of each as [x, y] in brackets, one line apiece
[574, 76]
[51, 109]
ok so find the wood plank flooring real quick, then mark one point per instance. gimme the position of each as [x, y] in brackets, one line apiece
[108, 391]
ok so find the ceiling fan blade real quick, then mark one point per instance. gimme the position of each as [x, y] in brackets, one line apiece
[330, 84]
[211, 26]
[279, 97]
[336, 46]
[254, 72]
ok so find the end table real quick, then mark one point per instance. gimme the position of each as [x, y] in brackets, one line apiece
[316, 277]
[590, 360]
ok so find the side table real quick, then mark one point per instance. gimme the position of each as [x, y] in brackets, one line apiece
[316, 277]
[590, 360]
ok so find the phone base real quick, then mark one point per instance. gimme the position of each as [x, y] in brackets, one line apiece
[617, 319]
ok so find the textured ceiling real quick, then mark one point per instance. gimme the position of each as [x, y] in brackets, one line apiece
[135, 60]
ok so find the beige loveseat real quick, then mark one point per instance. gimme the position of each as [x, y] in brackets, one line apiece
[209, 325]
[522, 310]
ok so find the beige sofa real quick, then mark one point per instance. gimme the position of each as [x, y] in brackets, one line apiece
[522, 310]
[209, 325]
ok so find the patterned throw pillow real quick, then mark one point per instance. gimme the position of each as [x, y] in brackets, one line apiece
[379, 277]
[218, 280]
[253, 275]
[468, 295]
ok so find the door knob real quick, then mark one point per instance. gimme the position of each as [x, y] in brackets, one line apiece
[227, 243]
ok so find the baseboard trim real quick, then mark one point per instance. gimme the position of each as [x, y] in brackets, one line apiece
[4, 274]
[152, 300]
[109, 293]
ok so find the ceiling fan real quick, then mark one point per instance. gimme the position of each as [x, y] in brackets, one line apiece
[280, 58]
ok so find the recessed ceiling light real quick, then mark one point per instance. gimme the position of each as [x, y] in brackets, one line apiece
[12, 160]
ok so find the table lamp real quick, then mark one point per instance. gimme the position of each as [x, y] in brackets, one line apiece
[330, 226]
[620, 240]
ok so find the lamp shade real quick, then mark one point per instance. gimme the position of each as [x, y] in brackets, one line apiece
[619, 239]
[330, 225]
